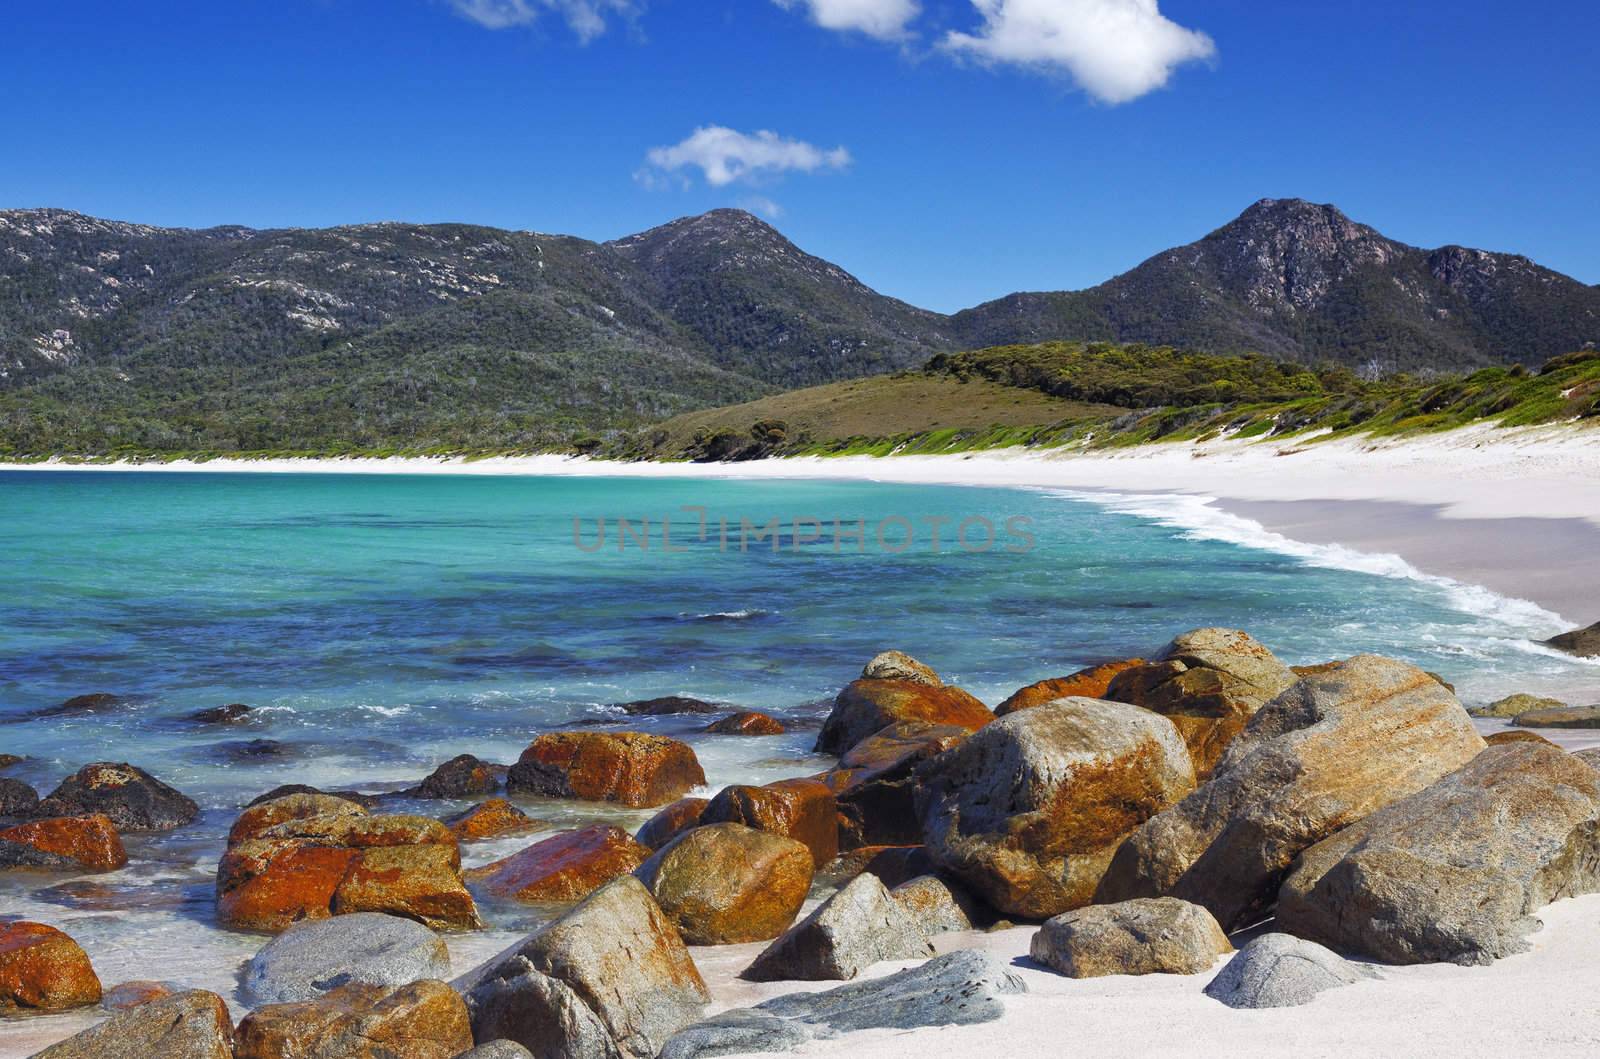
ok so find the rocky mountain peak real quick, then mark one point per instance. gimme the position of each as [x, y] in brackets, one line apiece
[1287, 254]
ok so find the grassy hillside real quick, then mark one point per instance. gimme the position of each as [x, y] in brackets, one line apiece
[1101, 395]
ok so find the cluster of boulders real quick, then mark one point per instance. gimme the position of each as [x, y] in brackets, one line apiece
[1532, 711]
[1140, 812]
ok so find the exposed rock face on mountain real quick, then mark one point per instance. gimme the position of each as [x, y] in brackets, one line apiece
[1302, 281]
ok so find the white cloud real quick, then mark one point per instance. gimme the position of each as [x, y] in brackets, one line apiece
[587, 18]
[884, 19]
[726, 155]
[764, 206]
[1117, 50]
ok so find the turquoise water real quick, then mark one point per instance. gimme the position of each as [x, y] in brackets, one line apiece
[384, 623]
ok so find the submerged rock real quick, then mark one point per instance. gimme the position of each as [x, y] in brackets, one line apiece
[423, 1020]
[672, 821]
[1029, 810]
[232, 713]
[612, 977]
[957, 989]
[190, 1025]
[874, 702]
[1091, 683]
[801, 809]
[130, 796]
[629, 768]
[42, 969]
[1159, 935]
[1337, 746]
[857, 927]
[311, 959]
[565, 867]
[1279, 971]
[85, 841]
[748, 723]
[1455, 871]
[725, 884]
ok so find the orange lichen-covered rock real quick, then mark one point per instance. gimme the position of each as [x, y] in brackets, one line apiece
[91, 841]
[801, 809]
[672, 821]
[567, 867]
[423, 1020]
[876, 701]
[286, 863]
[629, 768]
[1088, 683]
[490, 819]
[724, 884]
[42, 969]
[747, 723]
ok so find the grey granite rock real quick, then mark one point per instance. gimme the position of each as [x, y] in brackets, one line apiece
[1161, 935]
[855, 928]
[193, 1025]
[309, 959]
[497, 1050]
[1280, 971]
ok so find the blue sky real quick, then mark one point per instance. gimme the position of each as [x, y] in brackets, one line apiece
[945, 151]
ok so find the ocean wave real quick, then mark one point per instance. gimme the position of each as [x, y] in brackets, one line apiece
[729, 615]
[1200, 519]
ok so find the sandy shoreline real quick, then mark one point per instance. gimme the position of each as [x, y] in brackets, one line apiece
[1517, 510]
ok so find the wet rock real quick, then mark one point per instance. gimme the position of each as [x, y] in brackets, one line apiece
[492, 819]
[726, 884]
[131, 797]
[17, 798]
[1456, 871]
[91, 705]
[423, 1020]
[232, 713]
[672, 821]
[1512, 705]
[190, 1025]
[666, 706]
[1028, 811]
[1280, 971]
[286, 863]
[897, 665]
[1502, 738]
[1208, 682]
[857, 927]
[957, 989]
[566, 867]
[42, 969]
[129, 995]
[874, 702]
[747, 723]
[366, 801]
[1334, 748]
[311, 959]
[1160, 935]
[1585, 643]
[629, 768]
[801, 809]
[1566, 717]
[463, 776]
[86, 841]
[875, 784]
[611, 977]
[254, 751]
[1091, 683]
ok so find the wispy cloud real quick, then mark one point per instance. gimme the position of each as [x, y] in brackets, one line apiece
[762, 205]
[884, 19]
[725, 156]
[587, 18]
[1116, 50]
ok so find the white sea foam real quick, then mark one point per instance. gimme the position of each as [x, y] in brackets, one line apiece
[1200, 519]
[388, 711]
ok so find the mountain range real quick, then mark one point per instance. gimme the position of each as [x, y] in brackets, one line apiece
[126, 337]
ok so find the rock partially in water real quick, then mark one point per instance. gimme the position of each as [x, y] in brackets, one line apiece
[1160, 935]
[801, 809]
[492, 819]
[129, 995]
[672, 821]
[1337, 746]
[17, 798]
[311, 959]
[1279, 971]
[667, 706]
[463, 776]
[612, 977]
[1585, 643]
[874, 702]
[1028, 811]
[7, 760]
[628, 768]
[1456, 871]
[857, 927]
[87, 841]
[957, 989]
[749, 722]
[1565, 717]
[190, 1025]
[727, 884]
[42, 970]
[232, 713]
[130, 796]
[423, 1020]
[1512, 705]
[91, 705]
[565, 867]
[1090, 683]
